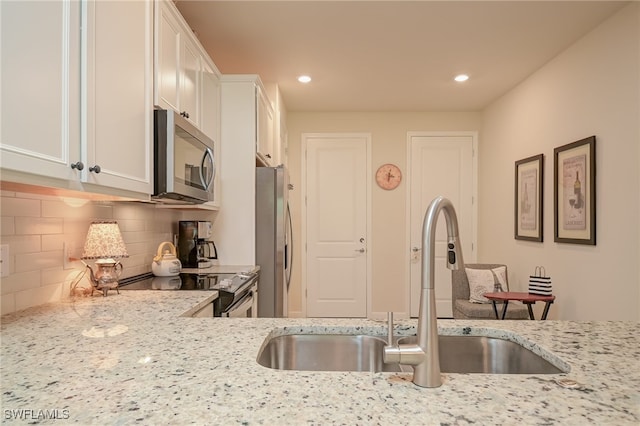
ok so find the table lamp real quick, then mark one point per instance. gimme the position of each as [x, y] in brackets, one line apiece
[104, 243]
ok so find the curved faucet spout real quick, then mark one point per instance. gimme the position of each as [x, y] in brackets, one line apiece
[454, 251]
[425, 355]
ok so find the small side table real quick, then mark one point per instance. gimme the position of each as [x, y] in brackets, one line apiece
[526, 298]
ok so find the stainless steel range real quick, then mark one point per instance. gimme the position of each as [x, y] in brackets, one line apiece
[237, 293]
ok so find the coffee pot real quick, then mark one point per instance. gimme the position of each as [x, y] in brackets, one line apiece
[207, 253]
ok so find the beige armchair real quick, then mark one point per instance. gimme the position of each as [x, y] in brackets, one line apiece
[464, 309]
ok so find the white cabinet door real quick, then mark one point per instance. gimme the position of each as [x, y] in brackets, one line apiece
[210, 102]
[190, 82]
[178, 64]
[40, 87]
[264, 142]
[119, 80]
[167, 58]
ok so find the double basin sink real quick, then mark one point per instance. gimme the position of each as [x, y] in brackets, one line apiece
[344, 352]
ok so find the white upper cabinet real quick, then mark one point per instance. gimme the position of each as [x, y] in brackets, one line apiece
[168, 65]
[40, 88]
[264, 142]
[119, 84]
[186, 80]
[189, 97]
[76, 106]
[210, 105]
[280, 136]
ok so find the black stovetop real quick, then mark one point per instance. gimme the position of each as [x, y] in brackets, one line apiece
[228, 283]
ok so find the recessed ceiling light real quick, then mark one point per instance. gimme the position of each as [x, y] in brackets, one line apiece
[461, 77]
[304, 79]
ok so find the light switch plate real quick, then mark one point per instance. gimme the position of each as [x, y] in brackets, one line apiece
[4, 260]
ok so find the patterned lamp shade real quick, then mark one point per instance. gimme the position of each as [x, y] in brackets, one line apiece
[104, 241]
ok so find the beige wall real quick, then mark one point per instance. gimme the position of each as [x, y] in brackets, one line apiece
[388, 145]
[35, 227]
[590, 89]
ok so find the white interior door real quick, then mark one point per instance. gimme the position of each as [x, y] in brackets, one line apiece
[440, 165]
[336, 225]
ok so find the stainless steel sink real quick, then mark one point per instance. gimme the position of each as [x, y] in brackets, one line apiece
[488, 355]
[325, 352]
[458, 354]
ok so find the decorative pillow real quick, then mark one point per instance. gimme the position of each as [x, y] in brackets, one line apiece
[484, 281]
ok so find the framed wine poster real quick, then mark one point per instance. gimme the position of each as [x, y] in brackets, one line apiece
[574, 178]
[528, 199]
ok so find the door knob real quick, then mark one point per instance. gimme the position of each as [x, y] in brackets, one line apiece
[95, 169]
[415, 249]
[360, 250]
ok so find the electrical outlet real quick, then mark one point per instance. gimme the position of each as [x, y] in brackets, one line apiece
[4, 260]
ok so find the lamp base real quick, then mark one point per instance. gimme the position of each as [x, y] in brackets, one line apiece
[105, 288]
[106, 276]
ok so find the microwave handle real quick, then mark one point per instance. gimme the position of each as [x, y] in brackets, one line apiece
[207, 153]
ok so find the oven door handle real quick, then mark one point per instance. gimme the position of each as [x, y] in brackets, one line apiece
[240, 308]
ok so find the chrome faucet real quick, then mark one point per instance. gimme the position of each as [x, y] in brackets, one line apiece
[424, 356]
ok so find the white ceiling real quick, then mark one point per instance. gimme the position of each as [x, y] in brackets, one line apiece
[390, 55]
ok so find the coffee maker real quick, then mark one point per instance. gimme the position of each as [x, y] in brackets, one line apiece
[196, 249]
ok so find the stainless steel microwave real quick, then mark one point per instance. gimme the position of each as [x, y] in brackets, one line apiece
[184, 163]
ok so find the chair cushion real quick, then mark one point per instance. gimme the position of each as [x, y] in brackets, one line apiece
[482, 281]
[515, 310]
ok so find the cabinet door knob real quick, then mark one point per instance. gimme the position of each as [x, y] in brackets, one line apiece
[95, 169]
[185, 114]
[77, 165]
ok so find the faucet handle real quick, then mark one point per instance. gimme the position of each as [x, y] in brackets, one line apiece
[390, 328]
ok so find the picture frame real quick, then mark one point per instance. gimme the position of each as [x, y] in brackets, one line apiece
[528, 199]
[574, 201]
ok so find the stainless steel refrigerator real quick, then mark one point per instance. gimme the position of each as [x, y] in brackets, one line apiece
[273, 241]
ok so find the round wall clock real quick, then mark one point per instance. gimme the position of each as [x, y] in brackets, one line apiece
[388, 176]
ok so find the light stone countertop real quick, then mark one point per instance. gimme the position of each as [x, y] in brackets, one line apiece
[133, 359]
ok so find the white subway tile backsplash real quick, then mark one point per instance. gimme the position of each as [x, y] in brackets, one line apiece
[7, 303]
[20, 281]
[21, 244]
[132, 211]
[20, 207]
[36, 226]
[90, 210]
[131, 225]
[7, 225]
[52, 242]
[38, 296]
[59, 275]
[38, 261]
[135, 237]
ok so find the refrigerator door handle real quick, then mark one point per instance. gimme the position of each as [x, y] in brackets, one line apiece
[288, 251]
